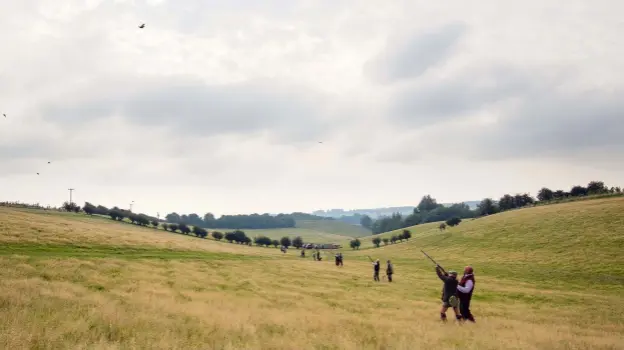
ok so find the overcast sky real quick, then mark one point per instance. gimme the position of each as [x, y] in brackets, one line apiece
[220, 105]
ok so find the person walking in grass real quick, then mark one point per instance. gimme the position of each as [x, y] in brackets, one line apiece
[449, 293]
[340, 259]
[389, 270]
[376, 270]
[464, 292]
[302, 252]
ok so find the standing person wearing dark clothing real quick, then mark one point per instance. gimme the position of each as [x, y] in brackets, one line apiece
[337, 259]
[389, 271]
[303, 252]
[376, 270]
[318, 255]
[340, 259]
[449, 291]
[464, 292]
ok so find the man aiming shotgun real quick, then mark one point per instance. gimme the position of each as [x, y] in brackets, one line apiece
[375, 269]
[449, 290]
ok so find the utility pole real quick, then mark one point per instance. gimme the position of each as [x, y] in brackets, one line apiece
[70, 195]
[131, 205]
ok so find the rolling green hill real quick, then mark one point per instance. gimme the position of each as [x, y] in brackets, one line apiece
[548, 277]
[334, 227]
[570, 243]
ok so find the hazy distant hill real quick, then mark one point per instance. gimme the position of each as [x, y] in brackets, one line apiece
[377, 212]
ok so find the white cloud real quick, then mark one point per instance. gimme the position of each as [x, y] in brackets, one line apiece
[219, 106]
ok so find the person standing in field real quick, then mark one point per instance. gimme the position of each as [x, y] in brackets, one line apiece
[303, 252]
[389, 271]
[376, 270]
[340, 259]
[449, 293]
[318, 255]
[337, 259]
[464, 292]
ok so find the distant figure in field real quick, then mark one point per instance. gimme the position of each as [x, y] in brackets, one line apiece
[340, 259]
[318, 255]
[389, 270]
[464, 292]
[337, 259]
[449, 293]
[376, 270]
[302, 252]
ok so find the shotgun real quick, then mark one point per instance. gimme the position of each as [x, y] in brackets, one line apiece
[438, 265]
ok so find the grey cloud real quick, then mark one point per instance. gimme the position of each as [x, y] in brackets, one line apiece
[538, 115]
[424, 104]
[556, 123]
[410, 56]
[192, 107]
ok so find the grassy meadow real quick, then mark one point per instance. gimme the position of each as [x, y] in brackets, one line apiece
[548, 277]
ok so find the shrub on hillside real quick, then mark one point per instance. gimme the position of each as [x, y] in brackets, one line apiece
[275, 243]
[165, 226]
[285, 241]
[173, 227]
[262, 241]
[217, 235]
[229, 236]
[155, 223]
[453, 221]
[386, 240]
[394, 238]
[355, 244]
[297, 242]
[200, 232]
[184, 229]
[89, 208]
[376, 241]
[442, 227]
[406, 235]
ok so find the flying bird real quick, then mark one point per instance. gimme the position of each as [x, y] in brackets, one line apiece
[48, 162]
[37, 173]
[142, 26]
[320, 141]
[4, 115]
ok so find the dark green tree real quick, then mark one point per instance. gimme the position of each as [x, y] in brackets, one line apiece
[366, 222]
[285, 241]
[453, 221]
[297, 242]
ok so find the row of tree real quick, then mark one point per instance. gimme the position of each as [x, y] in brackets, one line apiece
[253, 221]
[428, 210]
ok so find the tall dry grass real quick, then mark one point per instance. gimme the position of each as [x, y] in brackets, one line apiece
[54, 298]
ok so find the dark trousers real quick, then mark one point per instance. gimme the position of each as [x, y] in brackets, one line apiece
[376, 276]
[464, 308]
[389, 277]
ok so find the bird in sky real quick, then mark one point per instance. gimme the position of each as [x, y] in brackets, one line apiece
[37, 173]
[4, 115]
[48, 162]
[142, 25]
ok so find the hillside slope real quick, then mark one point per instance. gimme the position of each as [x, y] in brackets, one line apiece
[570, 243]
[547, 278]
[334, 227]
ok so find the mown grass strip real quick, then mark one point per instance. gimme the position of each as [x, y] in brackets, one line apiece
[103, 251]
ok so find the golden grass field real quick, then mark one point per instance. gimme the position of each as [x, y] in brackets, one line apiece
[548, 277]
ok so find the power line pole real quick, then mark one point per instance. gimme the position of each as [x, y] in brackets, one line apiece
[70, 195]
[131, 205]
